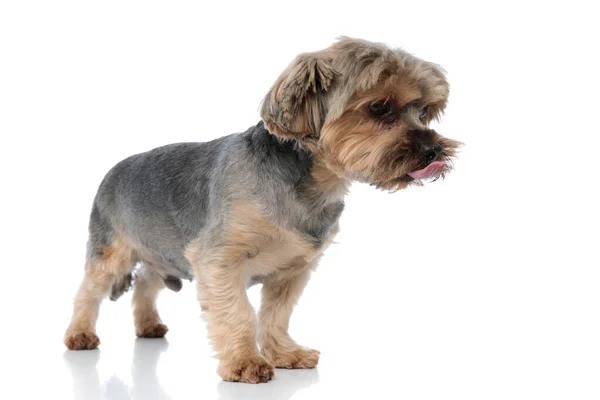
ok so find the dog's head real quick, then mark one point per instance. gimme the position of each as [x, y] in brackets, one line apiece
[365, 109]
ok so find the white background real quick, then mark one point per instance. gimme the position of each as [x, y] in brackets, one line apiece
[481, 286]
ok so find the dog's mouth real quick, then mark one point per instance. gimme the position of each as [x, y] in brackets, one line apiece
[433, 170]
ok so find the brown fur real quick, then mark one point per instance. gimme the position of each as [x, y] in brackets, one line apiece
[152, 330]
[96, 285]
[279, 296]
[82, 341]
[145, 291]
[349, 142]
[291, 107]
[253, 246]
[112, 273]
[358, 147]
[100, 276]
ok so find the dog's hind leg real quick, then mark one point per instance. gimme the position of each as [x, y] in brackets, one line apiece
[145, 291]
[104, 269]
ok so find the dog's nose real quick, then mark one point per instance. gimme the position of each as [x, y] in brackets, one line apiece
[431, 152]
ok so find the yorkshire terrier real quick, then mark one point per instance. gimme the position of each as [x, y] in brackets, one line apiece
[263, 205]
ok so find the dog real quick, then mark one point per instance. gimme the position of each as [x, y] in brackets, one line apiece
[263, 205]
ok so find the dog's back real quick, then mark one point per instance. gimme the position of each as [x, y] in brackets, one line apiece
[157, 200]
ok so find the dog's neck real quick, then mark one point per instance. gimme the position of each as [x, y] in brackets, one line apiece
[320, 184]
[326, 182]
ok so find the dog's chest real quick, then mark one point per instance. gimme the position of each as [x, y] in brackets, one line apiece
[289, 255]
[266, 248]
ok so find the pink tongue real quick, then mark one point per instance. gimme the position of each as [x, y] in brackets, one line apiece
[433, 169]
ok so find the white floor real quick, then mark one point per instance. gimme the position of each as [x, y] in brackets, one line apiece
[157, 369]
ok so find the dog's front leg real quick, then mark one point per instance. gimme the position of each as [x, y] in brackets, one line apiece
[279, 296]
[231, 322]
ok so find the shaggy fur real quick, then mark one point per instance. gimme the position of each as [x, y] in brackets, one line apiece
[261, 206]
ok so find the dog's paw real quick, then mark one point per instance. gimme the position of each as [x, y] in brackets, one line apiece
[81, 341]
[253, 370]
[152, 330]
[292, 359]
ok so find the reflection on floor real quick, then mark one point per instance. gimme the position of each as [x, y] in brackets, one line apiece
[87, 385]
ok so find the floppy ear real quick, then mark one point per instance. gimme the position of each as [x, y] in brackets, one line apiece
[296, 105]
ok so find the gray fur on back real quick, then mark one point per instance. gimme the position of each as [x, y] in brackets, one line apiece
[166, 197]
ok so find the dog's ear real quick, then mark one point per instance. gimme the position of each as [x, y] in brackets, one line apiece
[296, 105]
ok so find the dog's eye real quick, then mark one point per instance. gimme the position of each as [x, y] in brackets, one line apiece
[380, 108]
[423, 113]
